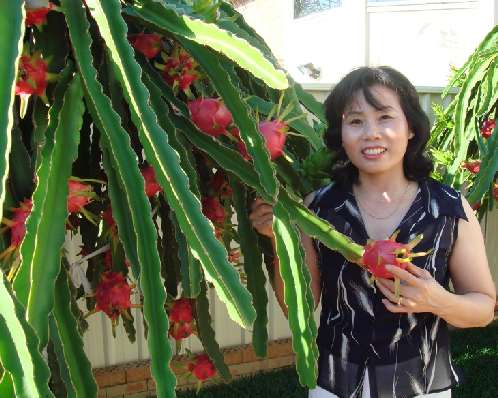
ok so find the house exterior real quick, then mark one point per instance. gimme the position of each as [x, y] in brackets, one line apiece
[421, 38]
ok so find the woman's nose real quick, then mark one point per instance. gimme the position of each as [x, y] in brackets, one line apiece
[371, 130]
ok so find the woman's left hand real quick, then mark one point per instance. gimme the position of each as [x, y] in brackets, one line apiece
[419, 291]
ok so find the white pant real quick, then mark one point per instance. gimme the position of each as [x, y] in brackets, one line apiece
[319, 392]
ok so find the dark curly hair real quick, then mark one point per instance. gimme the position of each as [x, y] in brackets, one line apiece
[416, 164]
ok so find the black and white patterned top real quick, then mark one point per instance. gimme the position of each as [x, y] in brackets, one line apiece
[406, 354]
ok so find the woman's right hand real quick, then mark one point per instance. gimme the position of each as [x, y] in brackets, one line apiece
[261, 217]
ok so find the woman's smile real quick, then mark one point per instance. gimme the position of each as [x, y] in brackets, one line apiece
[373, 152]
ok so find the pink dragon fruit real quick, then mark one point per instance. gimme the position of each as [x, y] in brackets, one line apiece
[147, 44]
[113, 295]
[33, 76]
[79, 196]
[274, 132]
[210, 115]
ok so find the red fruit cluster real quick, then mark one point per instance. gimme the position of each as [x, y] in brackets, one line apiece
[38, 16]
[487, 128]
[79, 196]
[147, 44]
[210, 115]
[112, 294]
[180, 70]
[213, 209]
[151, 185]
[495, 191]
[32, 75]
[182, 319]
[275, 135]
[202, 367]
[473, 166]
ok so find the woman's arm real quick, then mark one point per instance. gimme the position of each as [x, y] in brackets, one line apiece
[475, 298]
[472, 304]
[262, 219]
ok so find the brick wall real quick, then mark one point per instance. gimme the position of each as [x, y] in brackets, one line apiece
[133, 380]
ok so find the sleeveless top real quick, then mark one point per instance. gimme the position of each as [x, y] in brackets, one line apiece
[406, 354]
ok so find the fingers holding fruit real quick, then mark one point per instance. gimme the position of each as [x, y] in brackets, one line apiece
[261, 217]
[418, 291]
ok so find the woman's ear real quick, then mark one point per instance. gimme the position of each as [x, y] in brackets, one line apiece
[410, 135]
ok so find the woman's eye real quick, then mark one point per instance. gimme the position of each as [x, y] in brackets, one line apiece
[355, 121]
[384, 117]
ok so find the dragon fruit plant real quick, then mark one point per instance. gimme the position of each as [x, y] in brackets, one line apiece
[466, 130]
[147, 127]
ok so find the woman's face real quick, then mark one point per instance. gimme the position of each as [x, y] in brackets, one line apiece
[375, 140]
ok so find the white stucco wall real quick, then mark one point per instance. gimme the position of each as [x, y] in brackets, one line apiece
[424, 41]
[421, 38]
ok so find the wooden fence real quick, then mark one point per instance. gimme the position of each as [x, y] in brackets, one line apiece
[105, 350]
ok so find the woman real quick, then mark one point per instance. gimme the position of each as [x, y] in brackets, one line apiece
[371, 343]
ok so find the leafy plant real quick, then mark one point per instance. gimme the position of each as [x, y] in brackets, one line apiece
[464, 137]
[145, 131]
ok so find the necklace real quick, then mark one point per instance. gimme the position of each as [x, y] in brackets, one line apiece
[364, 208]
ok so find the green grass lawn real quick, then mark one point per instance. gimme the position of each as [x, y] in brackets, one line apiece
[475, 353]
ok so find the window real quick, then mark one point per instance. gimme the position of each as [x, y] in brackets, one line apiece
[306, 7]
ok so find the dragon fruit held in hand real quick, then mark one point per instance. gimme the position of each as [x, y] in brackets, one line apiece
[379, 253]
